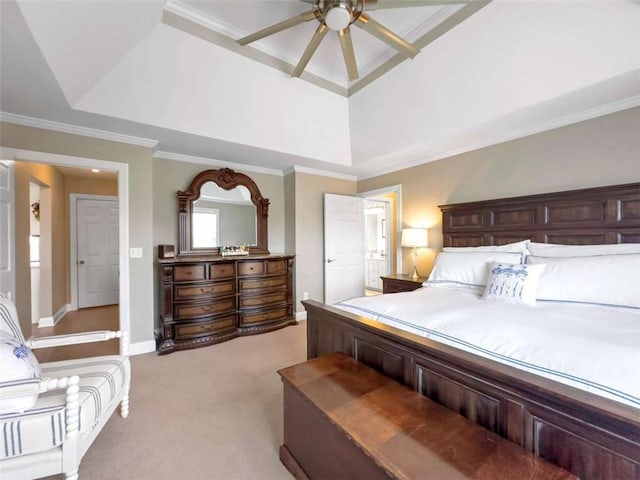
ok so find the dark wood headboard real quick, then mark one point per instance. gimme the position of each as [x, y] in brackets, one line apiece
[576, 217]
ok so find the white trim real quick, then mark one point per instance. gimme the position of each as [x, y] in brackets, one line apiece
[73, 239]
[51, 321]
[301, 316]
[46, 322]
[139, 348]
[76, 130]
[122, 169]
[179, 157]
[321, 173]
[571, 119]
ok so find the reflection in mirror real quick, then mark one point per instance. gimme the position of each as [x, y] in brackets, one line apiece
[223, 217]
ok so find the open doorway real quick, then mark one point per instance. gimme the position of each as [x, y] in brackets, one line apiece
[382, 212]
[68, 244]
[377, 261]
[72, 168]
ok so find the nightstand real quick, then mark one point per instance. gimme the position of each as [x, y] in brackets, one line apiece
[400, 283]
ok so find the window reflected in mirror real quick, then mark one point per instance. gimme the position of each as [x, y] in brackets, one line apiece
[223, 217]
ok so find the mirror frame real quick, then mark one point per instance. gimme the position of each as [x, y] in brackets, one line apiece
[227, 179]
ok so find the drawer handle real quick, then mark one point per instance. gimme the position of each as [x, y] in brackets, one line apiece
[207, 308]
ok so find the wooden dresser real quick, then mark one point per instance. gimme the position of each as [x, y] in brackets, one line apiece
[207, 300]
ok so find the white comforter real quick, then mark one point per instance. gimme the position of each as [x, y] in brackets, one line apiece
[595, 348]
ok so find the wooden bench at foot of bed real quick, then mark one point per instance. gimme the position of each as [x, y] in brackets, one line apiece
[343, 419]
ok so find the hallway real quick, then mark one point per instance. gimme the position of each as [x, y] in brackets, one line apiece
[83, 320]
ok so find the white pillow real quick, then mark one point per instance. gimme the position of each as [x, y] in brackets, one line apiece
[513, 283]
[19, 376]
[466, 268]
[9, 319]
[516, 247]
[604, 279]
[555, 250]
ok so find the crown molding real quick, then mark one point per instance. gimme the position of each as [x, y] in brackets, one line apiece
[542, 127]
[179, 157]
[320, 173]
[76, 130]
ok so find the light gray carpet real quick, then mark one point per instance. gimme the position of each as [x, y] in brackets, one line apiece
[209, 413]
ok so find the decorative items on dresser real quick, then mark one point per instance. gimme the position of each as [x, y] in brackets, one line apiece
[224, 282]
[401, 283]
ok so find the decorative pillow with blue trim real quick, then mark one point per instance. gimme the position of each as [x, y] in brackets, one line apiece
[515, 283]
[19, 375]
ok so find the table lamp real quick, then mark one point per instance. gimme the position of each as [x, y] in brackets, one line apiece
[415, 238]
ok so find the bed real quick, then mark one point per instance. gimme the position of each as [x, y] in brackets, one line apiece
[590, 433]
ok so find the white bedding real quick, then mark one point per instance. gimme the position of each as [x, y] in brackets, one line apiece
[591, 347]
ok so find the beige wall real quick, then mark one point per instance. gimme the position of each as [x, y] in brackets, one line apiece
[138, 159]
[598, 152]
[309, 228]
[52, 259]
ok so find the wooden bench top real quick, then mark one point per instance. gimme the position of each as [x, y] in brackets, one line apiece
[404, 432]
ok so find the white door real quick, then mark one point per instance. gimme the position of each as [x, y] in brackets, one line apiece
[7, 257]
[343, 248]
[98, 259]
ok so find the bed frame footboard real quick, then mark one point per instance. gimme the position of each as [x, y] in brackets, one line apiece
[590, 436]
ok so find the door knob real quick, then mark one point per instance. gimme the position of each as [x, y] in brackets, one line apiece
[80, 262]
[329, 260]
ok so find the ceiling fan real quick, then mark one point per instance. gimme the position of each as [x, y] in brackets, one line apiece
[339, 15]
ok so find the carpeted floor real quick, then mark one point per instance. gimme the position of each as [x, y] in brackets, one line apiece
[211, 413]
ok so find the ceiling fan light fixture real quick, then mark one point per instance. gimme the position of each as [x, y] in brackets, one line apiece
[338, 17]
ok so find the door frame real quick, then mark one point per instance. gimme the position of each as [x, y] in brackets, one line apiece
[10, 165]
[397, 189]
[73, 239]
[122, 170]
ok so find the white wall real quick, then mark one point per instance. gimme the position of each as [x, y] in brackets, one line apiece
[229, 97]
[411, 113]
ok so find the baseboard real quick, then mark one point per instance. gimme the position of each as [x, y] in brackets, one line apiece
[45, 322]
[51, 321]
[300, 316]
[139, 348]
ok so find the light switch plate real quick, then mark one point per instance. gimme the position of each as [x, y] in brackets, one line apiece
[135, 252]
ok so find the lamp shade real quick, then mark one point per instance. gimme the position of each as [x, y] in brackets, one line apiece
[415, 237]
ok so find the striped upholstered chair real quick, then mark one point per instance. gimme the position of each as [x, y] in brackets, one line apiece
[50, 413]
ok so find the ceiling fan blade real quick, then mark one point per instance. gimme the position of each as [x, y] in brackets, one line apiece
[278, 27]
[344, 36]
[381, 32]
[380, 4]
[321, 31]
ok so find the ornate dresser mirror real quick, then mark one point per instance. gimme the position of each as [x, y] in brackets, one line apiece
[222, 208]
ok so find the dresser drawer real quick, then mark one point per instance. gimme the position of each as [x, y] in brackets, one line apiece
[264, 316]
[189, 273]
[222, 270]
[190, 310]
[256, 284]
[253, 301]
[207, 290]
[197, 329]
[276, 266]
[251, 268]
